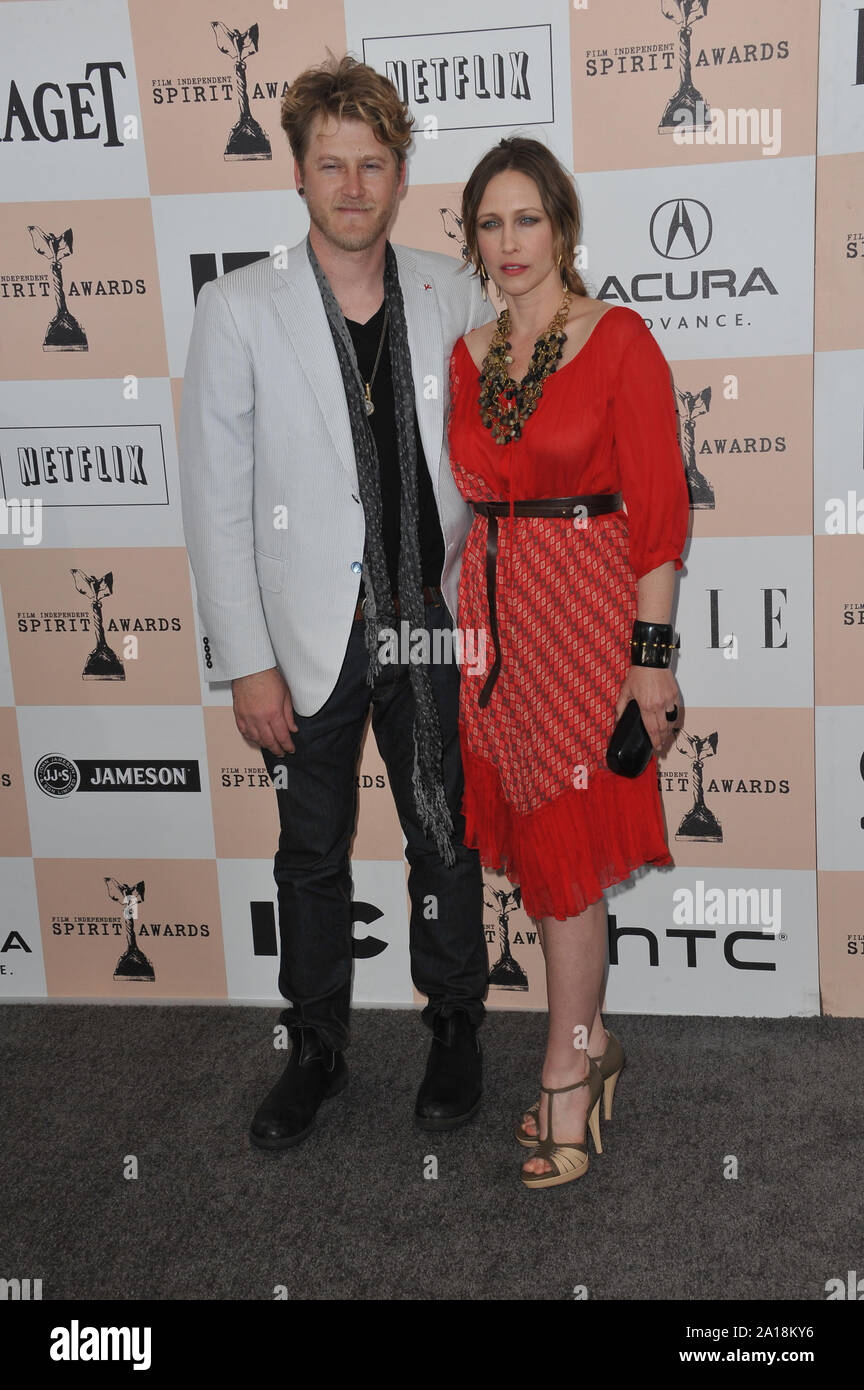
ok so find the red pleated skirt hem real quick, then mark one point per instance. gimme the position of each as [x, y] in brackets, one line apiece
[567, 850]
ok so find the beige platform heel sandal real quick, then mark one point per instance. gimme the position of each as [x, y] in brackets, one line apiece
[609, 1065]
[569, 1160]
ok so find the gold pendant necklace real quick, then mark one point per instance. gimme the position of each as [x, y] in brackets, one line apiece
[368, 384]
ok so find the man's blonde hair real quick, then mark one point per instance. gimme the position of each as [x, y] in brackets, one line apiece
[347, 90]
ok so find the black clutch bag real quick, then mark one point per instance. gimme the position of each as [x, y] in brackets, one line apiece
[630, 748]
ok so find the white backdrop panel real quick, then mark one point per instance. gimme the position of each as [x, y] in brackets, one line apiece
[742, 570]
[381, 965]
[840, 787]
[80, 149]
[723, 980]
[841, 59]
[94, 824]
[686, 223]
[104, 467]
[213, 225]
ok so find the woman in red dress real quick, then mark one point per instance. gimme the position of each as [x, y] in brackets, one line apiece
[564, 398]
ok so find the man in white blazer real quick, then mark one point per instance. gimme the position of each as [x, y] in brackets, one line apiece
[292, 517]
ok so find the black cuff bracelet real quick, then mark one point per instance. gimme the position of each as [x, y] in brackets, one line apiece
[652, 644]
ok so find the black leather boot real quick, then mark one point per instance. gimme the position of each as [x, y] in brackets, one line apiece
[450, 1093]
[314, 1074]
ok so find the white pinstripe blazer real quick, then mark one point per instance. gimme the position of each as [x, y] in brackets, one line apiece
[271, 503]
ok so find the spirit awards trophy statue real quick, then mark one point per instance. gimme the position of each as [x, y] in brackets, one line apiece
[247, 140]
[506, 973]
[693, 405]
[64, 332]
[684, 13]
[102, 664]
[453, 229]
[699, 823]
[133, 964]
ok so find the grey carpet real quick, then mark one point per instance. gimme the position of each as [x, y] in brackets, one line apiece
[349, 1215]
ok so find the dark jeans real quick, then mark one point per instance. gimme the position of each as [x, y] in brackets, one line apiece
[317, 814]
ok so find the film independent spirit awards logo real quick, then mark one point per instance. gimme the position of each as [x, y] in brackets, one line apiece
[102, 663]
[506, 972]
[686, 105]
[64, 332]
[700, 823]
[690, 406]
[133, 964]
[247, 138]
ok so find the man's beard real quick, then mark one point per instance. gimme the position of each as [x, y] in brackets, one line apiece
[346, 239]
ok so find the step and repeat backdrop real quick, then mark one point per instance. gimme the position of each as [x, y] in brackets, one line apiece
[142, 155]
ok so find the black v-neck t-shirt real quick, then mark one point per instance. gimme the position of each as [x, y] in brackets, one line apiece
[366, 337]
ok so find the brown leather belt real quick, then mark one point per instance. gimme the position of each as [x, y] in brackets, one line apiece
[431, 594]
[594, 504]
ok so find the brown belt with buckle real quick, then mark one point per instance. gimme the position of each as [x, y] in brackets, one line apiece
[591, 504]
[431, 594]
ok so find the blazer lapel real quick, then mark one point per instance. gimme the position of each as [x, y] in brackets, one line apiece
[300, 306]
[425, 344]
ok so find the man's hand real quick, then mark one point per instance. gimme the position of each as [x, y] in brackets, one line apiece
[655, 690]
[264, 712]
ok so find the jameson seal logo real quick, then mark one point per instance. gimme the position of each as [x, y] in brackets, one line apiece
[64, 332]
[56, 775]
[693, 405]
[506, 973]
[133, 964]
[247, 140]
[687, 99]
[103, 664]
[699, 823]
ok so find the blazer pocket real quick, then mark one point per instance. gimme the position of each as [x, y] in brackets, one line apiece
[271, 572]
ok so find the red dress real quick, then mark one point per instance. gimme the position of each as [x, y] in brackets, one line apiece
[540, 803]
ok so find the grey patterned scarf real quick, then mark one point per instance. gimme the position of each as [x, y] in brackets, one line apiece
[427, 780]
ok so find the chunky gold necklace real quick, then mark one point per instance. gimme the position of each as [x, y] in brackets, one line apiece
[505, 405]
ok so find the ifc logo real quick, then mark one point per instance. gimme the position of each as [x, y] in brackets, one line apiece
[56, 775]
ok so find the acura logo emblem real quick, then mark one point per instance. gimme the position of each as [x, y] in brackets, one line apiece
[680, 229]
